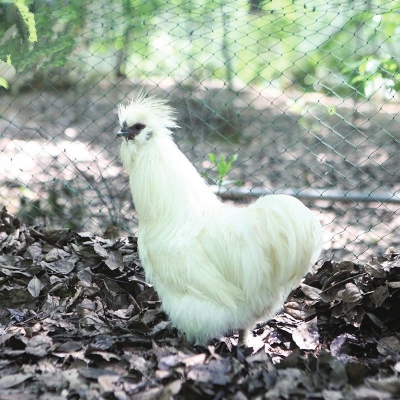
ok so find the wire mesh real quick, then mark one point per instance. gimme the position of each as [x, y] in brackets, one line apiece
[305, 97]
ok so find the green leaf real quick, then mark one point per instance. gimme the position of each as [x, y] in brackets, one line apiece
[358, 78]
[234, 157]
[28, 18]
[212, 158]
[363, 67]
[3, 83]
[36, 46]
[331, 110]
[223, 166]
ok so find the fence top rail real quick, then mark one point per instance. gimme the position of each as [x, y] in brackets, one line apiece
[309, 194]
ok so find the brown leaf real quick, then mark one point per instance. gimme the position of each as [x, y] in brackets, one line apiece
[388, 265]
[341, 347]
[354, 316]
[389, 344]
[100, 250]
[114, 260]
[57, 236]
[197, 359]
[216, 372]
[53, 381]
[35, 286]
[161, 326]
[33, 252]
[376, 320]
[39, 345]
[108, 383]
[338, 376]
[348, 266]
[388, 385]
[288, 382]
[170, 361]
[55, 254]
[69, 347]
[124, 313]
[311, 292]
[14, 296]
[85, 275]
[139, 363]
[170, 390]
[299, 310]
[104, 354]
[64, 266]
[7, 261]
[95, 373]
[13, 380]
[306, 335]
[87, 252]
[379, 295]
[375, 269]
[352, 294]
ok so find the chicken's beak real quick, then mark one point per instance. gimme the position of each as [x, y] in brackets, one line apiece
[126, 133]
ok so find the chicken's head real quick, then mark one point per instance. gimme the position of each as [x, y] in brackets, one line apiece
[143, 117]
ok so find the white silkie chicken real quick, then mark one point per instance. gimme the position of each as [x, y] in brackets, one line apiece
[216, 267]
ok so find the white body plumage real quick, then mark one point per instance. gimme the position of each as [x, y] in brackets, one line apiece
[216, 267]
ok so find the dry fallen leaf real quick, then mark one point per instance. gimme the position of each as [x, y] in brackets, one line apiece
[9, 381]
[35, 285]
[78, 318]
[306, 335]
[39, 345]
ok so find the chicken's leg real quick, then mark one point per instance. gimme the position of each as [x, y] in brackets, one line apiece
[242, 337]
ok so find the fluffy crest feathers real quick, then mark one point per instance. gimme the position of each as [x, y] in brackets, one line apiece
[151, 111]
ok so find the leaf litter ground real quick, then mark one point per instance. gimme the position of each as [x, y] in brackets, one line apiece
[78, 321]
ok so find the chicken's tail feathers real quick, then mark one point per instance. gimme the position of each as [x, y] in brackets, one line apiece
[289, 222]
[319, 242]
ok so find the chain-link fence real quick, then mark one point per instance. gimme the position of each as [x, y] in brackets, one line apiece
[301, 97]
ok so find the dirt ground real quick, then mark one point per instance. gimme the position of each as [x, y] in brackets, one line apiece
[59, 158]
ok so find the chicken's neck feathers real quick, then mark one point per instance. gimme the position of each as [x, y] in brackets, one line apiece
[165, 185]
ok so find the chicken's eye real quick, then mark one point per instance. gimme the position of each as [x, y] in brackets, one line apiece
[138, 126]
